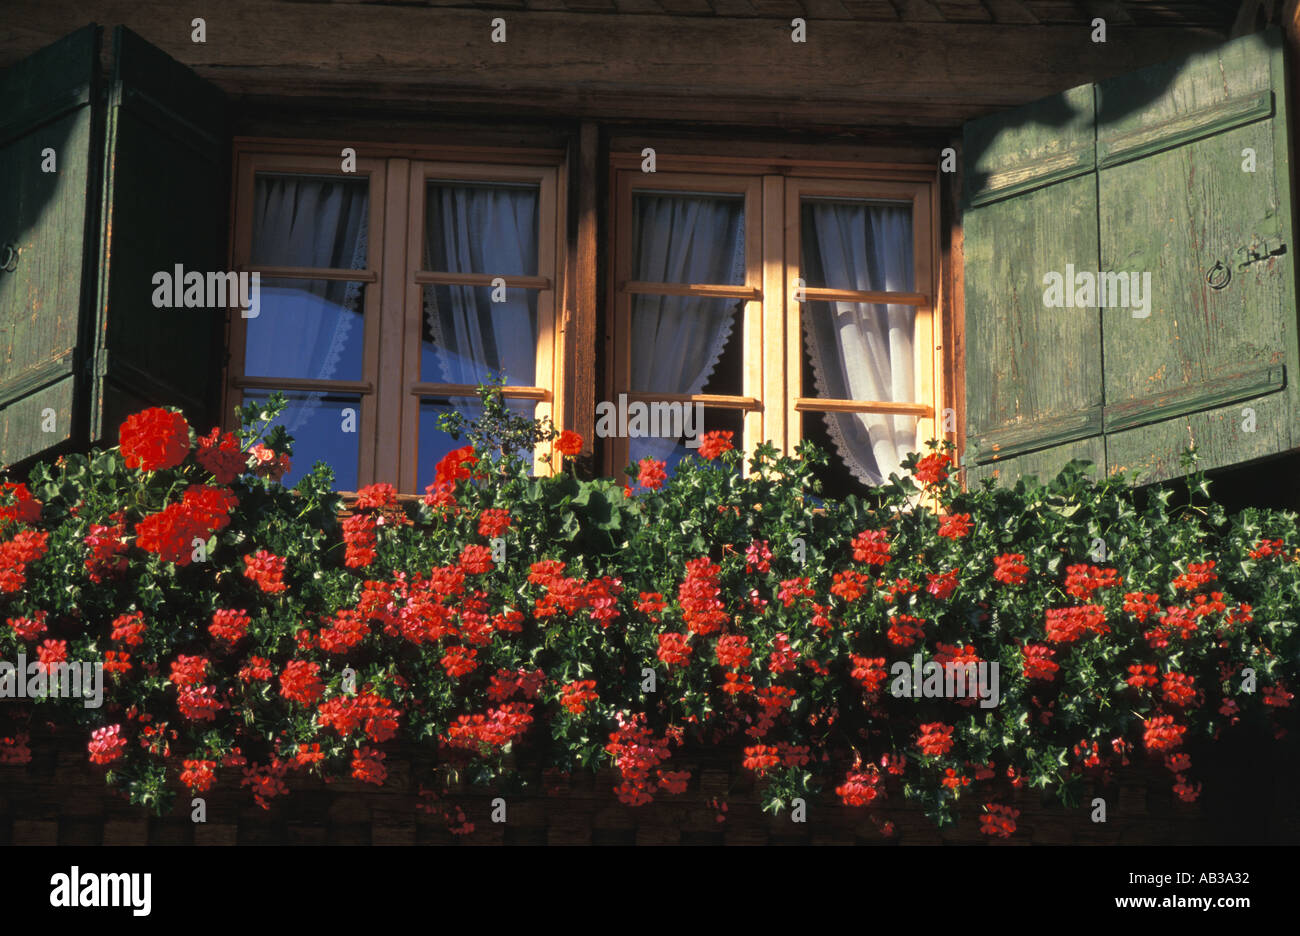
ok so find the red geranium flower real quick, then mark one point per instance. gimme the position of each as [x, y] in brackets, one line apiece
[999, 820]
[220, 454]
[932, 469]
[1010, 569]
[652, 474]
[954, 526]
[935, 739]
[569, 443]
[715, 443]
[106, 744]
[267, 570]
[154, 439]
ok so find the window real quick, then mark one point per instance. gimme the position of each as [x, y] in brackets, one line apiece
[370, 344]
[791, 306]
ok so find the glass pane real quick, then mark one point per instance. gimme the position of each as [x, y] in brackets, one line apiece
[434, 443]
[481, 227]
[309, 221]
[859, 351]
[864, 448]
[325, 427]
[682, 344]
[672, 450]
[856, 245]
[467, 335]
[679, 238]
[310, 329]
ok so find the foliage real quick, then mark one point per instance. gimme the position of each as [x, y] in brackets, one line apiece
[250, 634]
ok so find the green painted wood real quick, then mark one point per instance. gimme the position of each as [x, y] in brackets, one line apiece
[1047, 141]
[1154, 451]
[50, 103]
[165, 202]
[1043, 464]
[1033, 373]
[1181, 206]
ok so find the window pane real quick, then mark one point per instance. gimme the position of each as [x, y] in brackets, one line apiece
[864, 448]
[856, 245]
[467, 335]
[310, 329]
[682, 344]
[325, 427]
[859, 351]
[434, 443]
[673, 450]
[688, 239]
[309, 221]
[481, 228]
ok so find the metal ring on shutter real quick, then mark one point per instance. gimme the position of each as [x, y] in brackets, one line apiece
[1219, 275]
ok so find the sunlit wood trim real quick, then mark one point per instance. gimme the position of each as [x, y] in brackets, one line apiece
[637, 287]
[821, 294]
[441, 391]
[716, 401]
[817, 405]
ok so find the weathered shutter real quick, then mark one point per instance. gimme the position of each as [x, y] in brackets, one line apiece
[141, 186]
[49, 219]
[1033, 374]
[1210, 366]
[166, 174]
[1158, 182]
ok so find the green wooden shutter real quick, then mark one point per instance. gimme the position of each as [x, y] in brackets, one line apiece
[51, 101]
[1213, 360]
[1175, 200]
[1033, 374]
[166, 199]
[142, 185]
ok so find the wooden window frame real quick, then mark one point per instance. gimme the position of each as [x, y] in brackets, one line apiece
[928, 345]
[548, 387]
[773, 338]
[750, 399]
[372, 419]
[392, 311]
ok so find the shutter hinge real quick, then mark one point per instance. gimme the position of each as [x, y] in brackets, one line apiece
[97, 364]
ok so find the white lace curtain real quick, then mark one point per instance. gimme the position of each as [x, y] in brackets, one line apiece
[678, 340]
[480, 229]
[306, 222]
[861, 351]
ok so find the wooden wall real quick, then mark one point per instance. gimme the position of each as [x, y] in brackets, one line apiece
[714, 69]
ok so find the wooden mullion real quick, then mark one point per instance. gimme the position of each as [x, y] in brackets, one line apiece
[427, 277]
[775, 378]
[711, 290]
[412, 328]
[388, 418]
[579, 413]
[715, 400]
[822, 294]
[820, 405]
[296, 384]
[312, 273]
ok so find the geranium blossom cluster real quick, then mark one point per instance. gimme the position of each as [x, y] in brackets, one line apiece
[252, 633]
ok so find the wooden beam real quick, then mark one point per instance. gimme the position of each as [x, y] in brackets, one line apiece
[580, 286]
[440, 62]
